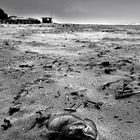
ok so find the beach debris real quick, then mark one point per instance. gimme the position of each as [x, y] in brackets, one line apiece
[57, 95]
[97, 105]
[13, 110]
[21, 93]
[109, 71]
[108, 84]
[68, 126]
[105, 64]
[73, 108]
[70, 109]
[6, 124]
[125, 94]
[118, 47]
[126, 91]
[25, 66]
[39, 121]
[75, 99]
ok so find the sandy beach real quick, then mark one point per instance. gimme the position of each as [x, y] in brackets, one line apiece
[91, 71]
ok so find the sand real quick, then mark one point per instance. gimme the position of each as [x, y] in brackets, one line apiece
[91, 71]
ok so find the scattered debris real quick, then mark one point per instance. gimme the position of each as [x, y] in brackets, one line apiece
[76, 98]
[118, 47]
[107, 85]
[105, 64]
[109, 71]
[25, 66]
[97, 105]
[57, 95]
[70, 109]
[125, 92]
[39, 121]
[6, 124]
[122, 95]
[116, 117]
[13, 110]
[129, 122]
[35, 72]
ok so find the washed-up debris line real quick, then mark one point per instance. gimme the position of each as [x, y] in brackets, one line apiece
[74, 100]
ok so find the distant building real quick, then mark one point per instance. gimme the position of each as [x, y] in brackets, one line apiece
[12, 17]
[16, 20]
[47, 20]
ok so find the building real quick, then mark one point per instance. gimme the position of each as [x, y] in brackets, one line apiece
[16, 20]
[47, 20]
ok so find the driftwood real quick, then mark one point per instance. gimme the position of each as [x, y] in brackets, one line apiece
[125, 95]
[70, 109]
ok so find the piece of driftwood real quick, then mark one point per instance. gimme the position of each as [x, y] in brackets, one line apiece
[97, 105]
[126, 95]
[107, 85]
[70, 109]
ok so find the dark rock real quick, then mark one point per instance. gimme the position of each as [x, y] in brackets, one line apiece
[26, 66]
[98, 106]
[105, 64]
[6, 124]
[74, 93]
[57, 94]
[109, 71]
[115, 117]
[118, 47]
[129, 122]
[13, 110]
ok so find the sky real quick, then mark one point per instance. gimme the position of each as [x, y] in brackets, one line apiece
[77, 11]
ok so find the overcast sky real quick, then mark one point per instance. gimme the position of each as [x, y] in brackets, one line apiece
[77, 11]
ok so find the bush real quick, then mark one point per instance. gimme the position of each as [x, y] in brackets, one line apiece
[3, 15]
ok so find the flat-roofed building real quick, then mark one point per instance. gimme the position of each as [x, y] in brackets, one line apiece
[47, 20]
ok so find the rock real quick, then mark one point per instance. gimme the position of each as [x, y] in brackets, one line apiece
[118, 47]
[25, 66]
[13, 110]
[68, 126]
[6, 124]
[105, 64]
[109, 71]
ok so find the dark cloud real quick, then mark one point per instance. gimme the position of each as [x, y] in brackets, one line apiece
[77, 10]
